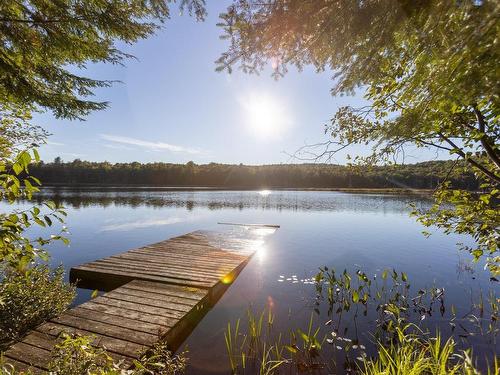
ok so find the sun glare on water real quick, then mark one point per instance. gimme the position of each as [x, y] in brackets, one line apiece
[264, 115]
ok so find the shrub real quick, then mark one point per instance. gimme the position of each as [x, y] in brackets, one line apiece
[75, 355]
[159, 360]
[28, 299]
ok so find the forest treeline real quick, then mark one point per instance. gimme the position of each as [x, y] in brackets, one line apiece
[425, 175]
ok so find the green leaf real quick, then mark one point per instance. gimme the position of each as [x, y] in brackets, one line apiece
[36, 155]
[48, 220]
[355, 296]
[17, 168]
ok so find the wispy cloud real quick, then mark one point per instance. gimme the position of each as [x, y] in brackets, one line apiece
[117, 147]
[51, 143]
[154, 146]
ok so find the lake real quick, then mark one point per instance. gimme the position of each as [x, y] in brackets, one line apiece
[368, 232]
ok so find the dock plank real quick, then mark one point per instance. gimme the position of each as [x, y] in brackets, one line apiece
[122, 347]
[154, 293]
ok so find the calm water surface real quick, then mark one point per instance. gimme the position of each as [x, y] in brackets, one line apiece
[371, 232]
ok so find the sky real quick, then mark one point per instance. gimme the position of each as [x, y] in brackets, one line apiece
[172, 106]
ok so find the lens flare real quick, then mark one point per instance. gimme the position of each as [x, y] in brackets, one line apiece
[228, 279]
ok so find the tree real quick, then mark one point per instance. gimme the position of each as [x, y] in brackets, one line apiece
[428, 68]
[45, 45]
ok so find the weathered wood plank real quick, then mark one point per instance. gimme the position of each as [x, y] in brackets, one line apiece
[120, 321]
[142, 308]
[123, 277]
[144, 300]
[47, 342]
[193, 244]
[193, 249]
[212, 258]
[159, 259]
[185, 304]
[112, 344]
[31, 355]
[170, 290]
[159, 271]
[21, 366]
[140, 316]
[105, 329]
[160, 292]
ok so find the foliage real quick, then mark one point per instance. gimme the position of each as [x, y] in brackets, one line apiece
[46, 45]
[396, 317]
[410, 352]
[420, 355]
[16, 183]
[16, 132]
[74, 355]
[474, 214]
[31, 298]
[390, 297]
[159, 360]
[425, 175]
[427, 68]
[258, 350]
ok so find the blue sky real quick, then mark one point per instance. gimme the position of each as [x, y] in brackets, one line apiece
[173, 107]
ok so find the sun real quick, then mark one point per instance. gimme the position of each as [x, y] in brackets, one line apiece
[264, 115]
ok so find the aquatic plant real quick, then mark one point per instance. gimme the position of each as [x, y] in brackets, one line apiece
[411, 351]
[418, 354]
[256, 350]
[391, 298]
[397, 313]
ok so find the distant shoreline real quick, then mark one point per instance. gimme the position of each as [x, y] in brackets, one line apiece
[104, 187]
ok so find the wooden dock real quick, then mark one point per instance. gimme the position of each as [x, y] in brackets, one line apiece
[156, 292]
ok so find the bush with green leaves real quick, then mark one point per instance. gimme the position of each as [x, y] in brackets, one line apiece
[30, 298]
[159, 360]
[17, 152]
[75, 355]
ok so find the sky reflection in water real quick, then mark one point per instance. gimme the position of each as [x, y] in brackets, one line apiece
[371, 232]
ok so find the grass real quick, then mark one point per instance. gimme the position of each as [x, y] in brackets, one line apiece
[416, 354]
[402, 347]
[411, 352]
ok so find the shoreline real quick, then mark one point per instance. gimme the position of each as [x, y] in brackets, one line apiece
[91, 187]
